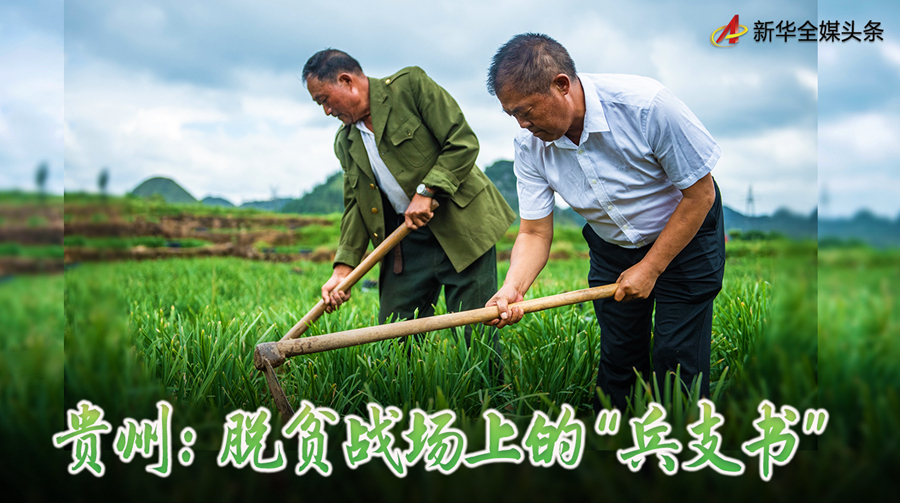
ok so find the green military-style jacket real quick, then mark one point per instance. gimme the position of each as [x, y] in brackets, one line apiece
[423, 137]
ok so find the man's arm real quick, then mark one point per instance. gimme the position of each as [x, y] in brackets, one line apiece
[459, 145]
[638, 281]
[353, 240]
[687, 153]
[529, 256]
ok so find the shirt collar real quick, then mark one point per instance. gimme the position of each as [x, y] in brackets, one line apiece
[594, 118]
[362, 127]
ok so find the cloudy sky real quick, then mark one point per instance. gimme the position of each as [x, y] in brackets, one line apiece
[208, 93]
[31, 93]
[859, 114]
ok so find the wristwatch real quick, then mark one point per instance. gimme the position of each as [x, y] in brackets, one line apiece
[422, 190]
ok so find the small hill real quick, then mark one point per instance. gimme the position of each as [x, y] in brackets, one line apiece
[165, 187]
[270, 205]
[783, 221]
[503, 176]
[864, 227]
[217, 201]
[327, 197]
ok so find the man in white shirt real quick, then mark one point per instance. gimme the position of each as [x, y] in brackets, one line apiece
[633, 160]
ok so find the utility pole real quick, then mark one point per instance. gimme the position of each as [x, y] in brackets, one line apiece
[751, 208]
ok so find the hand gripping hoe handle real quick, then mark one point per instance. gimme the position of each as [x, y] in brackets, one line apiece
[270, 355]
[319, 309]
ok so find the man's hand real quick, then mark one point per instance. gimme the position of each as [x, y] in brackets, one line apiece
[636, 282]
[419, 212]
[502, 299]
[529, 254]
[334, 298]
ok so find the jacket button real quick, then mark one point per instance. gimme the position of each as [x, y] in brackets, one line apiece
[374, 210]
[375, 234]
[372, 185]
[388, 81]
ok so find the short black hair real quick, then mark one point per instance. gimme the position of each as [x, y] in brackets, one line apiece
[326, 64]
[528, 63]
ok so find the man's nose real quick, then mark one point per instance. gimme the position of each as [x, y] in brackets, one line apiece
[524, 123]
[327, 109]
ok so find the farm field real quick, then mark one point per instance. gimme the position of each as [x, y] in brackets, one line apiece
[125, 334]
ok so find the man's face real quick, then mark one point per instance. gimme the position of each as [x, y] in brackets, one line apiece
[547, 115]
[342, 98]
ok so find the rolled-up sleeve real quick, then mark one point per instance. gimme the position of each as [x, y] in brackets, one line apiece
[683, 147]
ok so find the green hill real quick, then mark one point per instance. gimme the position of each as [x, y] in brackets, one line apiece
[503, 176]
[865, 227]
[327, 197]
[271, 205]
[501, 173]
[783, 221]
[165, 187]
[217, 201]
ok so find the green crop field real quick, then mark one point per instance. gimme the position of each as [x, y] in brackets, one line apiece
[131, 333]
[196, 322]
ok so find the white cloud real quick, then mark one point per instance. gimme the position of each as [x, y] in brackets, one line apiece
[231, 142]
[865, 138]
[809, 80]
[780, 164]
[31, 107]
[169, 90]
[858, 163]
[891, 52]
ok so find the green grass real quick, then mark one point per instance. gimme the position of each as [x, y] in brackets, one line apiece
[18, 197]
[127, 243]
[565, 237]
[31, 356]
[184, 330]
[153, 208]
[35, 251]
[196, 322]
[860, 300]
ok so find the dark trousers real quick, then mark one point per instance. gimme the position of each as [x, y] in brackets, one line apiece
[683, 297]
[425, 270]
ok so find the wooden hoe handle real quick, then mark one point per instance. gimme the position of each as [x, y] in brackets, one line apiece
[277, 352]
[355, 275]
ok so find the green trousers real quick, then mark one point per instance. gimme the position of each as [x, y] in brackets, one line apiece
[425, 270]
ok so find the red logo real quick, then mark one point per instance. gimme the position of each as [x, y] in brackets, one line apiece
[728, 32]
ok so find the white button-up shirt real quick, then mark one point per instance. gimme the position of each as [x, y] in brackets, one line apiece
[640, 146]
[399, 200]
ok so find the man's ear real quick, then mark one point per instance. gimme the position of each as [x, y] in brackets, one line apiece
[345, 78]
[562, 83]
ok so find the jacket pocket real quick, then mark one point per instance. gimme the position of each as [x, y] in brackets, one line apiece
[471, 187]
[413, 141]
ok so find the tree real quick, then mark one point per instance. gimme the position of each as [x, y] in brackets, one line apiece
[41, 178]
[102, 180]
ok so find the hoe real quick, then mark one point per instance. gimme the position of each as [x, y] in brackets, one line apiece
[270, 355]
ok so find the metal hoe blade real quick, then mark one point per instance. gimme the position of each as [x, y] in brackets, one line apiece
[281, 402]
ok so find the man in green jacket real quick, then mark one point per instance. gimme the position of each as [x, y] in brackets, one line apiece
[404, 141]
